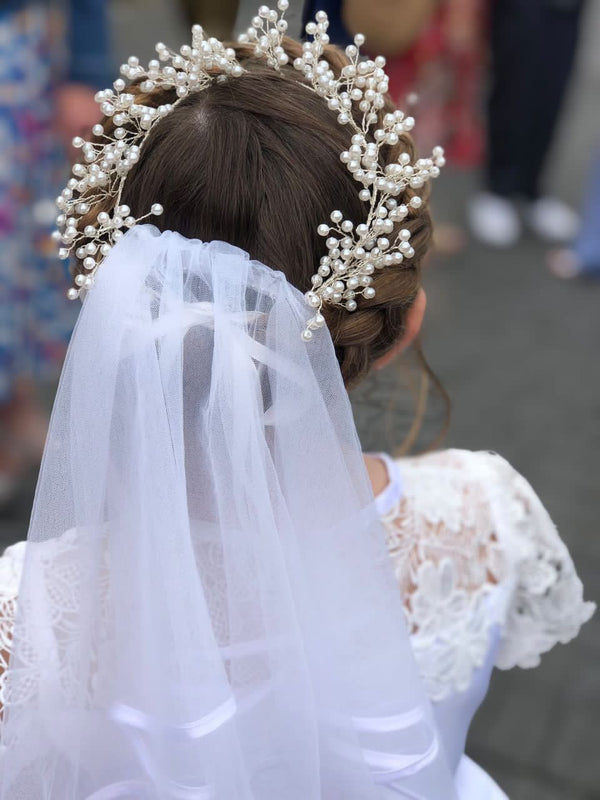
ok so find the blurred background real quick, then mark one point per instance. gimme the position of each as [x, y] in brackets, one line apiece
[511, 88]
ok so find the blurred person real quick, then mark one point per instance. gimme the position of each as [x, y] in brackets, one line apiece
[435, 52]
[436, 62]
[221, 595]
[52, 58]
[533, 47]
[582, 258]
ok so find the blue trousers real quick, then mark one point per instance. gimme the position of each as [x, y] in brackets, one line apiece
[587, 244]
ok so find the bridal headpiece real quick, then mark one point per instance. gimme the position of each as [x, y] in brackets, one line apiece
[354, 252]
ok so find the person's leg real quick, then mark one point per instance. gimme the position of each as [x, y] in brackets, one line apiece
[511, 26]
[493, 218]
[587, 244]
[553, 46]
[582, 258]
[533, 45]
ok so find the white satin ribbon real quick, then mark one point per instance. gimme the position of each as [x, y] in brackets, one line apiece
[387, 767]
[141, 724]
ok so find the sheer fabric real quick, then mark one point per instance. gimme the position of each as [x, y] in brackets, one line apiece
[207, 608]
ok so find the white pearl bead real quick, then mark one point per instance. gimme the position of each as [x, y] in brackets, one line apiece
[72, 294]
[369, 293]
[307, 335]
[157, 209]
[323, 230]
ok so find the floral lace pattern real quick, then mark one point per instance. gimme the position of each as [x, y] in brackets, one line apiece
[58, 588]
[11, 565]
[472, 546]
[466, 531]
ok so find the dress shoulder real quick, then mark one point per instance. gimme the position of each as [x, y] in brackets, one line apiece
[474, 548]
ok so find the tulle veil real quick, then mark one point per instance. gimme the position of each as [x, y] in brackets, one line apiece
[207, 608]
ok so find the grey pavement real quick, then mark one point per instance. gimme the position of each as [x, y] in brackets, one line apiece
[518, 353]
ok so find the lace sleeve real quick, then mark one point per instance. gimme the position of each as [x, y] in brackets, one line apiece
[473, 547]
[11, 565]
[546, 605]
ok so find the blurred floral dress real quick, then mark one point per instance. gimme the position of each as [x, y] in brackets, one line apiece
[446, 69]
[440, 77]
[35, 317]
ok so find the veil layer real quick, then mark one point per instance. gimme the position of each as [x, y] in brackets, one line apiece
[207, 608]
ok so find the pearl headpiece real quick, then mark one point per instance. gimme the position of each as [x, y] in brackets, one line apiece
[354, 252]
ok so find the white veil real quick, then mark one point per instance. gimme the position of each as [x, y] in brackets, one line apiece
[207, 608]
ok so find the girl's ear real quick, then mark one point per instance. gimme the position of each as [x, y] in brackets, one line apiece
[414, 321]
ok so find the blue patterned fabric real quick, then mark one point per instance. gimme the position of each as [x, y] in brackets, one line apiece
[87, 37]
[35, 317]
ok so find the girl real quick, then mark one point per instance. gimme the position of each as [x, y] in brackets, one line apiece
[205, 606]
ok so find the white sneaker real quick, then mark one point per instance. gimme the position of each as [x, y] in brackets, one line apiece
[493, 220]
[552, 220]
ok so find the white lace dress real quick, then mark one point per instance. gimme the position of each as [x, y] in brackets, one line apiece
[486, 580]
[485, 577]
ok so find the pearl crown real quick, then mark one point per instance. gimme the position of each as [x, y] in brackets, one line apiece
[354, 253]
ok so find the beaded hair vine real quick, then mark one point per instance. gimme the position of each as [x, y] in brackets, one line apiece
[354, 252]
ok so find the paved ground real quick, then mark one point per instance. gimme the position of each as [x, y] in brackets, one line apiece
[517, 352]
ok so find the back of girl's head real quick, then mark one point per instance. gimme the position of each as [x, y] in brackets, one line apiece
[255, 161]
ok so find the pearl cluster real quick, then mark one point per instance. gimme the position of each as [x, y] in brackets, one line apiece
[99, 177]
[357, 95]
[266, 33]
[355, 253]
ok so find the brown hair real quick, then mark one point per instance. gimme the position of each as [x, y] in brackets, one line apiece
[255, 161]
